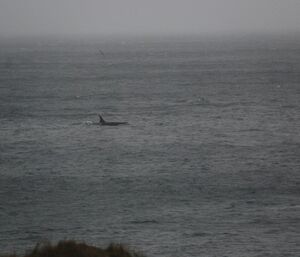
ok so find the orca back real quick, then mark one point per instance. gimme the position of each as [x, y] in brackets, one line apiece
[110, 123]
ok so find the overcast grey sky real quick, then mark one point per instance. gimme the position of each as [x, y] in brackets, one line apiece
[39, 17]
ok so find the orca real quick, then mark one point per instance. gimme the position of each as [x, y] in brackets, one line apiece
[110, 123]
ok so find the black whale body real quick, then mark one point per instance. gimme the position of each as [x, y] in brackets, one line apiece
[110, 123]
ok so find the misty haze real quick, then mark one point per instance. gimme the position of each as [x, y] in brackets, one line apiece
[169, 127]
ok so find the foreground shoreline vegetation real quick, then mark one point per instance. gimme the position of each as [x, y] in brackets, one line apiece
[70, 248]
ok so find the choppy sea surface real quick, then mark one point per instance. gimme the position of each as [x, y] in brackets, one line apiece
[209, 164]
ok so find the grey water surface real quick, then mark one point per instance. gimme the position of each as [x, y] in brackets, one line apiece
[208, 165]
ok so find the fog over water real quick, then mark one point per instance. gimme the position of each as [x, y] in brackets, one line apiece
[208, 165]
[40, 17]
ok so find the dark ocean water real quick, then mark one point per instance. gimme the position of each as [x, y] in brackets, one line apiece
[208, 166]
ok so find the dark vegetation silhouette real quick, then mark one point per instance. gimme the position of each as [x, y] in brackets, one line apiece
[71, 248]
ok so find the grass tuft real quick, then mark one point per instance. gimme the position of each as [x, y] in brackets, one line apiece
[69, 248]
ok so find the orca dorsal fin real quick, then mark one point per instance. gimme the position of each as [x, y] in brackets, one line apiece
[102, 121]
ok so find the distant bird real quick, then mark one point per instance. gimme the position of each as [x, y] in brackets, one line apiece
[101, 52]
